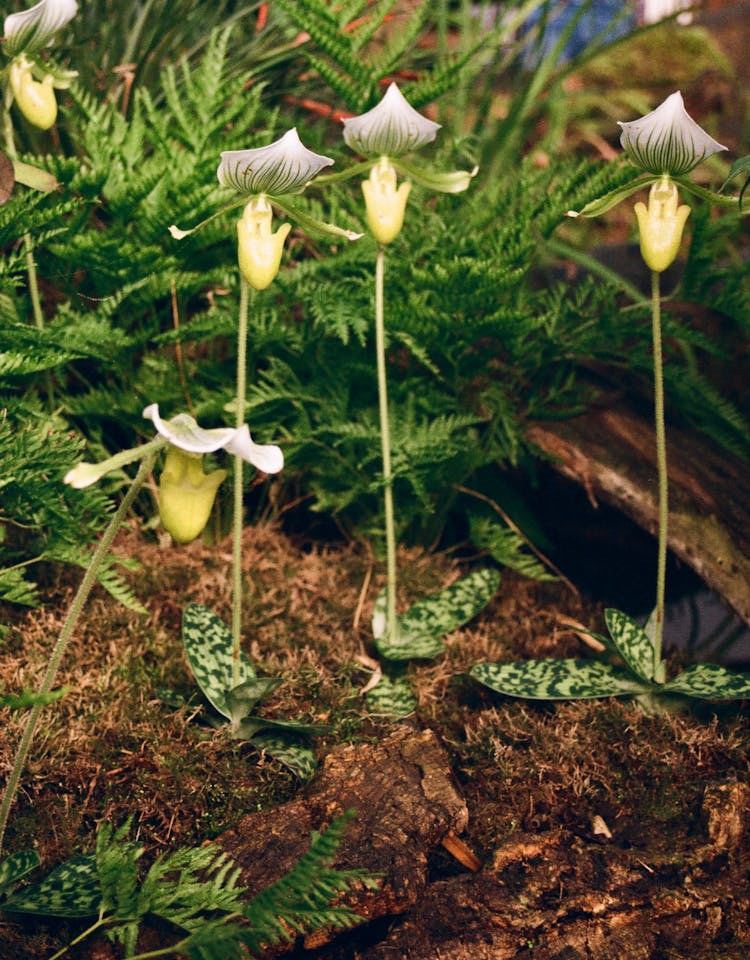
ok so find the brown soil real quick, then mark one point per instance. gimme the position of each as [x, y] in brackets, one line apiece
[599, 827]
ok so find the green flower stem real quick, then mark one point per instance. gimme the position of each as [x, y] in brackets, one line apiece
[238, 485]
[36, 304]
[661, 463]
[385, 439]
[89, 579]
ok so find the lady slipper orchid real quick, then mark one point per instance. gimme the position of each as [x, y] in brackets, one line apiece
[383, 135]
[667, 140]
[660, 225]
[385, 204]
[35, 98]
[186, 494]
[184, 433]
[259, 249]
[26, 33]
[284, 167]
[31, 30]
[391, 129]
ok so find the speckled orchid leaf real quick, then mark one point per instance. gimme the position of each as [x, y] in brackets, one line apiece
[30, 30]
[71, 890]
[708, 681]
[16, 866]
[450, 609]
[632, 643]
[391, 697]
[300, 759]
[429, 619]
[557, 679]
[208, 647]
[250, 726]
[241, 700]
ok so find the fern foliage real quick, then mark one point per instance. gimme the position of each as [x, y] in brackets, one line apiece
[197, 890]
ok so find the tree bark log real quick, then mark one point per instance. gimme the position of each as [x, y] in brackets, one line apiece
[612, 453]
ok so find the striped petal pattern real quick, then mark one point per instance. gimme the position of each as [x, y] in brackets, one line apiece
[667, 140]
[283, 167]
[30, 30]
[391, 129]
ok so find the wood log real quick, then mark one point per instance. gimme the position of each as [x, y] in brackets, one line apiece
[611, 452]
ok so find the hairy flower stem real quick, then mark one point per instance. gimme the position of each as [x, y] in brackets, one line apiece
[89, 579]
[661, 462]
[385, 439]
[28, 245]
[239, 485]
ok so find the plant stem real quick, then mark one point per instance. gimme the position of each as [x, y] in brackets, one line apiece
[74, 612]
[385, 439]
[661, 463]
[36, 305]
[80, 938]
[238, 484]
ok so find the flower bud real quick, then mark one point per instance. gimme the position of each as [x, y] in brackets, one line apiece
[35, 99]
[259, 250]
[186, 494]
[661, 225]
[385, 204]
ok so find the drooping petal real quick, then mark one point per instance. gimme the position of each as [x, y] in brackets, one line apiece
[284, 166]
[30, 30]
[266, 457]
[667, 140]
[183, 431]
[390, 129]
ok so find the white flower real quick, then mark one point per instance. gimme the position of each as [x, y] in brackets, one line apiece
[390, 129]
[667, 140]
[182, 431]
[284, 166]
[31, 30]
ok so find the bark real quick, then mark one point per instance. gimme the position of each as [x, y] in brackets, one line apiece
[612, 453]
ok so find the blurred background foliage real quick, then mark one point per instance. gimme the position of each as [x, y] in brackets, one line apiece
[499, 310]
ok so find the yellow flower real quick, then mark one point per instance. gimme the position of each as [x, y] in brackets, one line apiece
[661, 225]
[259, 250]
[186, 494]
[35, 98]
[385, 204]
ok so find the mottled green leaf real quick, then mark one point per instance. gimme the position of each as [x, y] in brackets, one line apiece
[300, 759]
[241, 700]
[708, 681]
[70, 890]
[391, 697]
[250, 726]
[423, 625]
[208, 647]
[632, 643]
[17, 865]
[557, 679]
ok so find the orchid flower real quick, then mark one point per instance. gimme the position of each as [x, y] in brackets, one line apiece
[265, 177]
[186, 493]
[667, 140]
[27, 33]
[665, 145]
[384, 134]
